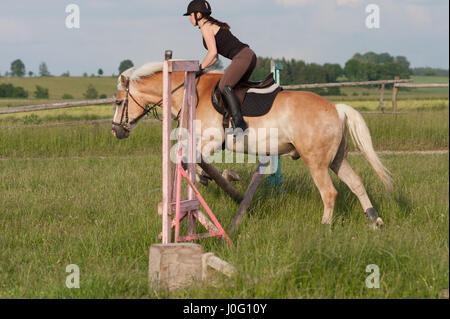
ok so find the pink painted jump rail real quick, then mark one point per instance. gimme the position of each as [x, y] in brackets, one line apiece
[174, 208]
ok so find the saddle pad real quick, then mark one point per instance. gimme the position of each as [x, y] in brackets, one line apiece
[254, 102]
[258, 102]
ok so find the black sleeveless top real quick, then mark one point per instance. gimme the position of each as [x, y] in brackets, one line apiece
[227, 44]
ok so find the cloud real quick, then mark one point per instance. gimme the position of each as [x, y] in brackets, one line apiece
[294, 2]
[341, 3]
[352, 3]
[14, 30]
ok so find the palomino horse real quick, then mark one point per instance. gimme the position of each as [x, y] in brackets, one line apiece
[309, 127]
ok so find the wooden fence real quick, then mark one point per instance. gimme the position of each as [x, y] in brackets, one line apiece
[54, 106]
[383, 84]
[411, 85]
[398, 83]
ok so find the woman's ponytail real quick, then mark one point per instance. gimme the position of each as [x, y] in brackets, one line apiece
[217, 22]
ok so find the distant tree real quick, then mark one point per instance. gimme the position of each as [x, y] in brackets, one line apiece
[20, 92]
[9, 90]
[102, 96]
[65, 74]
[370, 57]
[430, 72]
[17, 68]
[354, 70]
[125, 65]
[371, 67]
[91, 93]
[402, 61]
[43, 69]
[41, 93]
[385, 58]
[6, 74]
[100, 72]
[85, 75]
[67, 97]
[30, 74]
[333, 72]
[262, 69]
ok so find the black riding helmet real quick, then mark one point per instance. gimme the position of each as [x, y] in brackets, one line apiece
[201, 6]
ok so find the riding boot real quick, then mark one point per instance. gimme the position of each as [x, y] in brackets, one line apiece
[235, 108]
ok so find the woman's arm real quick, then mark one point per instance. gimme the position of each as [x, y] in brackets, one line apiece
[211, 57]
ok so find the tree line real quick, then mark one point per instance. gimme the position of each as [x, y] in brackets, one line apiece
[361, 67]
[18, 69]
[7, 90]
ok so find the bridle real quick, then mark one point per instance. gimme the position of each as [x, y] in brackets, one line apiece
[126, 125]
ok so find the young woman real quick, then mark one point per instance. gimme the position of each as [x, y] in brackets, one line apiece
[218, 39]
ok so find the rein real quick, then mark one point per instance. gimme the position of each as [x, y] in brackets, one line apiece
[147, 109]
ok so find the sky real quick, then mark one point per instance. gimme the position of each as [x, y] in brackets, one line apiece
[319, 31]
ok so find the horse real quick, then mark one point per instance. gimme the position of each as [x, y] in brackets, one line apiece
[309, 126]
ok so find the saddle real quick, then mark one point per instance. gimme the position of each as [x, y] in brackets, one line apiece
[256, 97]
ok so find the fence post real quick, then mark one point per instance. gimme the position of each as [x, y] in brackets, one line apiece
[394, 95]
[380, 106]
[277, 179]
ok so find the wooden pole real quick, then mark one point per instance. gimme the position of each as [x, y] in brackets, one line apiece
[394, 96]
[221, 181]
[380, 106]
[44, 107]
[166, 145]
[249, 194]
[340, 84]
[191, 218]
[424, 85]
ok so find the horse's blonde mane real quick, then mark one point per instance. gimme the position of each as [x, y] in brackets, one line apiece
[134, 74]
[148, 69]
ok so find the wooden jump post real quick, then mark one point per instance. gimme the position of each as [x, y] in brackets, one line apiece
[174, 264]
[173, 208]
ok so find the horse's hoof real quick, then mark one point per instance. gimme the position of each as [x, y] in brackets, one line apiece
[202, 180]
[379, 223]
[375, 221]
[230, 176]
[327, 221]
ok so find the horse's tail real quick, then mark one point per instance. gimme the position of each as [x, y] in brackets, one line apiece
[361, 138]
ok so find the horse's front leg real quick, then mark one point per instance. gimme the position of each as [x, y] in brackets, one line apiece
[211, 148]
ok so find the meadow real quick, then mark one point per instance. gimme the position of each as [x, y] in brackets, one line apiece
[58, 86]
[76, 195]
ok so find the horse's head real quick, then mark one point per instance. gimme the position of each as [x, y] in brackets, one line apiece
[129, 106]
[136, 90]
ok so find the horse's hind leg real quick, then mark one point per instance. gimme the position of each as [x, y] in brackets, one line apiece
[322, 179]
[345, 172]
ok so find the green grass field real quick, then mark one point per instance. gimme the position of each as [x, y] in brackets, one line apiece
[429, 79]
[76, 195]
[58, 86]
